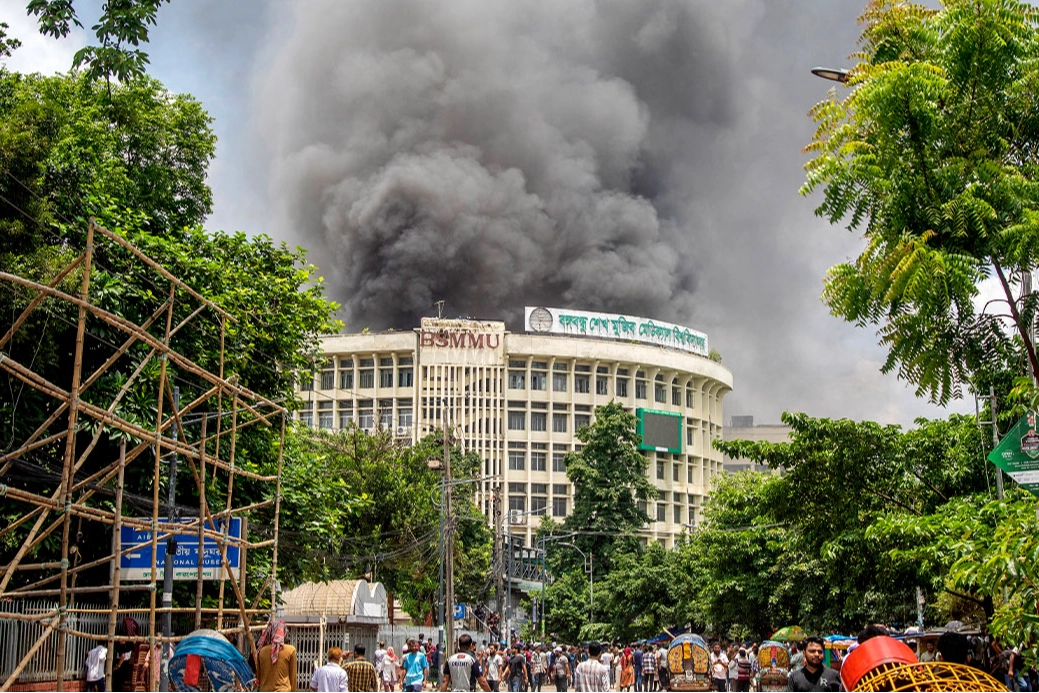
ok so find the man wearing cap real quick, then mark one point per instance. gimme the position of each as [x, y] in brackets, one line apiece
[561, 669]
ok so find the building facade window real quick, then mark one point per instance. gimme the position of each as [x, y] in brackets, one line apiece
[346, 413]
[346, 377]
[538, 380]
[660, 469]
[306, 382]
[675, 471]
[559, 382]
[538, 505]
[622, 387]
[559, 423]
[558, 506]
[518, 504]
[557, 462]
[406, 377]
[517, 460]
[538, 461]
[306, 414]
[385, 377]
[581, 420]
[602, 385]
[328, 379]
[517, 420]
[582, 384]
[538, 421]
[659, 393]
[366, 415]
[517, 380]
[640, 389]
[676, 397]
[366, 378]
[325, 415]
[661, 512]
[405, 417]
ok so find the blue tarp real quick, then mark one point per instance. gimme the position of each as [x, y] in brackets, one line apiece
[225, 665]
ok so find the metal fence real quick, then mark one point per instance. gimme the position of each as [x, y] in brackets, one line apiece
[16, 637]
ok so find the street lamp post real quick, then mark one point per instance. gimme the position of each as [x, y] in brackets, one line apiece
[834, 74]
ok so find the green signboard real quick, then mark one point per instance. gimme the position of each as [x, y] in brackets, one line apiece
[1018, 453]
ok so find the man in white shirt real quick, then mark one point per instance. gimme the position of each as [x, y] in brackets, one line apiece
[96, 668]
[719, 668]
[591, 674]
[379, 655]
[494, 665]
[607, 658]
[330, 677]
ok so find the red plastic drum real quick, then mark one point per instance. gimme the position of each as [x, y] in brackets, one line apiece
[871, 654]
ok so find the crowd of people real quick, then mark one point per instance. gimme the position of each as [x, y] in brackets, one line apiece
[637, 667]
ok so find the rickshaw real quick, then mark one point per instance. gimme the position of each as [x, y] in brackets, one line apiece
[688, 664]
[773, 666]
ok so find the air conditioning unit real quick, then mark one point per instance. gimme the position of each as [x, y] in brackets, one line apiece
[403, 430]
[515, 517]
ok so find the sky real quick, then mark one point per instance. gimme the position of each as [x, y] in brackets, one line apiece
[639, 158]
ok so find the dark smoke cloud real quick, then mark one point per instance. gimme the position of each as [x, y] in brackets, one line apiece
[641, 157]
[495, 154]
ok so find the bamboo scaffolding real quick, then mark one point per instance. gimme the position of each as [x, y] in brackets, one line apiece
[55, 510]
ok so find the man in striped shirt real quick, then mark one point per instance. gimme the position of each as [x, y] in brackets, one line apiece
[649, 669]
[538, 667]
[591, 674]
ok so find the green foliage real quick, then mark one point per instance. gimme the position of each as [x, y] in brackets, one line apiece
[383, 517]
[839, 478]
[932, 155]
[120, 30]
[7, 45]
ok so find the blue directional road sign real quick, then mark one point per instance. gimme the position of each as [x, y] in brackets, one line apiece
[459, 612]
[137, 564]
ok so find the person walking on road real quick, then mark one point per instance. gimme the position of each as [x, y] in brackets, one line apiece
[360, 672]
[331, 676]
[462, 671]
[561, 670]
[276, 661]
[517, 671]
[494, 667]
[649, 669]
[591, 674]
[415, 666]
[388, 670]
[719, 668]
[813, 676]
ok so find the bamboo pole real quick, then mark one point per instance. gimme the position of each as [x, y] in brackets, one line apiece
[201, 525]
[68, 474]
[117, 541]
[230, 493]
[155, 491]
[133, 329]
[277, 512]
[38, 299]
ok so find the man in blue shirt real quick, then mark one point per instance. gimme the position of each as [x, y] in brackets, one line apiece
[637, 655]
[416, 667]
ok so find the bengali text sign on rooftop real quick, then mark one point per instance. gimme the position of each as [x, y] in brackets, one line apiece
[1018, 453]
[137, 564]
[583, 323]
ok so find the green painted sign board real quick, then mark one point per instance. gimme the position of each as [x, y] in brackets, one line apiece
[1018, 453]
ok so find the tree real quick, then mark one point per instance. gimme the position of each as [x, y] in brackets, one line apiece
[382, 518]
[842, 476]
[610, 480]
[121, 29]
[137, 161]
[933, 156]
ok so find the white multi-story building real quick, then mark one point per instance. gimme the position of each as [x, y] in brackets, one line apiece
[517, 400]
